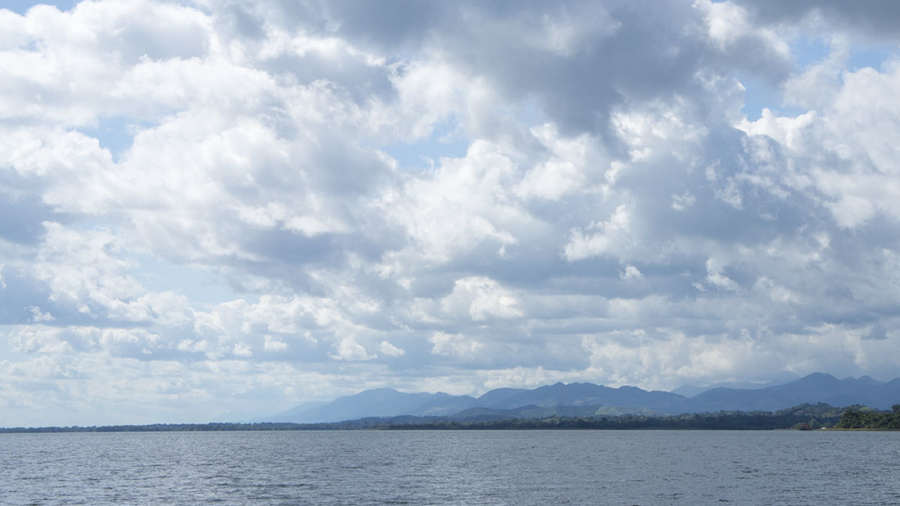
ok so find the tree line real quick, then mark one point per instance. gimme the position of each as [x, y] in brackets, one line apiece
[804, 416]
[869, 419]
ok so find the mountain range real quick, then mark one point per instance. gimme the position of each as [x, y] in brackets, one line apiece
[586, 399]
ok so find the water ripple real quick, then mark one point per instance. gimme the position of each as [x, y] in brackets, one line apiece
[442, 468]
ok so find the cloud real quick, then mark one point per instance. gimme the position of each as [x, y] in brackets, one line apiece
[716, 277]
[37, 316]
[753, 47]
[390, 350]
[612, 236]
[228, 207]
[631, 272]
[271, 344]
[348, 349]
[454, 345]
[848, 161]
[875, 17]
[480, 298]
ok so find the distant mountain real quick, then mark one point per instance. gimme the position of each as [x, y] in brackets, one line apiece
[293, 412]
[816, 387]
[498, 395]
[578, 394]
[386, 402]
[442, 404]
[691, 390]
[586, 399]
[381, 402]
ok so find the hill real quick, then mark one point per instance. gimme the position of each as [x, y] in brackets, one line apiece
[586, 399]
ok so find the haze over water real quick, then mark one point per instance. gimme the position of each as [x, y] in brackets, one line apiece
[463, 467]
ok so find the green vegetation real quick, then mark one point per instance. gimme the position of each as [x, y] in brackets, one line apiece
[803, 417]
[864, 418]
[812, 416]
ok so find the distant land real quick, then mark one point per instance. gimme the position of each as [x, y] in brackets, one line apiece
[802, 417]
[805, 403]
[586, 399]
[691, 390]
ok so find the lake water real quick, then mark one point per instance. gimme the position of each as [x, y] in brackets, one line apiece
[463, 467]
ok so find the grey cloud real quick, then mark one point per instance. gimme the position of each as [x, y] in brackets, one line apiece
[390, 25]
[611, 65]
[880, 16]
[617, 51]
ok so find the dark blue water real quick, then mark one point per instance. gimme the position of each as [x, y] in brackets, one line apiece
[421, 468]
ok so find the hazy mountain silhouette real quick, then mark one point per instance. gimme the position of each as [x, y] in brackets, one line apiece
[816, 387]
[692, 390]
[381, 402]
[578, 394]
[586, 399]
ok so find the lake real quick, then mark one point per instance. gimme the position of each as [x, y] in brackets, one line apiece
[451, 467]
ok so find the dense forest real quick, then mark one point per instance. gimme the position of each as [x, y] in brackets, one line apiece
[804, 416]
[869, 419]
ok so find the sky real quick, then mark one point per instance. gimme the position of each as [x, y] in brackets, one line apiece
[214, 210]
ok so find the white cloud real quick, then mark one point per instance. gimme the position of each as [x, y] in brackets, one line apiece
[390, 350]
[250, 204]
[242, 350]
[38, 340]
[348, 349]
[731, 32]
[82, 51]
[716, 278]
[37, 316]
[612, 238]
[454, 345]
[274, 345]
[572, 165]
[631, 272]
[480, 298]
[82, 268]
[844, 148]
[465, 203]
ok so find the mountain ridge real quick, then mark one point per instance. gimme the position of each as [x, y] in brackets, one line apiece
[387, 402]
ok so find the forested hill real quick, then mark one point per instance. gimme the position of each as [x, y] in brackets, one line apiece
[870, 419]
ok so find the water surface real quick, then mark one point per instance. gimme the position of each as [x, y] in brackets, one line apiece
[451, 467]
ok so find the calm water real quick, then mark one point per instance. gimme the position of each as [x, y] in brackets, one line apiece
[420, 468]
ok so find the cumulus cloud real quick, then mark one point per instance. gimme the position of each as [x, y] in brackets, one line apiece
[631, 272]
[454, 345]
[716, 278]
[37, 316]
[613, 235]
[480, 298]
[390, 350]
[348, 349]
[236, 206]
